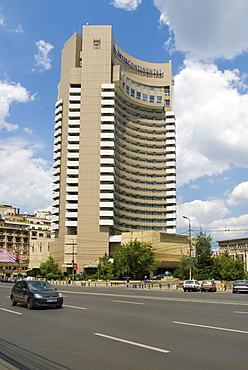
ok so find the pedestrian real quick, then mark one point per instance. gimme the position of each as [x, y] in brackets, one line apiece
[128, 282]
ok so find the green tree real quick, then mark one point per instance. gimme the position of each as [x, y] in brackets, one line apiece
[183, 271]
[203, 261]
[225, 268]
[135, 259]
[105, 267]
[50, 269]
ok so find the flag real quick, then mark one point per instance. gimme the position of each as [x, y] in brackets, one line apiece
[7, 256]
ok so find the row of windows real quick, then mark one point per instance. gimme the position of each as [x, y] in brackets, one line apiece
[145, 97]
[125, 226]
[146, 220]
[152, 88]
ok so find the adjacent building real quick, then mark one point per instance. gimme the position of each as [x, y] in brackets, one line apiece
[236, 249]
[114, 148]
[25, 240]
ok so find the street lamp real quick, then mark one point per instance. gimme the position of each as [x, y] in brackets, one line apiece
[189, 246]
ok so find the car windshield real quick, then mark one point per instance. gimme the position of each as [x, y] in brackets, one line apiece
[189, 282]
[241, 282]
[207, 282]
[40, 285]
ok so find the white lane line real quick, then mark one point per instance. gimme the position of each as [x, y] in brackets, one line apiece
[128, 302]
[4, 309]
[78, 308]
[132, 343]
[210, 327]
[242, 303]
[245, 313]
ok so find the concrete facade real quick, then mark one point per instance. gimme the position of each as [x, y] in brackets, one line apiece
[236, 248]
[26, 236]
[114, 147]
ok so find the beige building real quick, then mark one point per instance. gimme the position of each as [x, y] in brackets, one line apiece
[114, 148]
[25, 240]
[236, 248]
[168, 248]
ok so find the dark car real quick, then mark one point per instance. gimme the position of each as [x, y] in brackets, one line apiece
[35, 293]
[157, 277]
[240, 286]
[208, 286]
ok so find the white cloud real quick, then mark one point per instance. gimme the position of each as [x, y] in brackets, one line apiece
[229, 228]
[26, 180]
[43, 62]
[19, 29]
[206, 29]
[212, 121]
[239, 195]
[128, 5]
[9, 93]
[202, 212]
[1, 18]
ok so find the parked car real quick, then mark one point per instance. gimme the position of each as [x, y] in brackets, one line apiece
[35, 293]
[192, 285]
[12, 280]
[4, 280]
[208, 286]
[240, 286]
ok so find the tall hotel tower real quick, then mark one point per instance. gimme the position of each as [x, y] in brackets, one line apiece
[114, 148]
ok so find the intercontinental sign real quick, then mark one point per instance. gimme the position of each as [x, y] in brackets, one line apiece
[154, 72]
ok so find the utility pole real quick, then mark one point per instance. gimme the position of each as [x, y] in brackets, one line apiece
[190, 247]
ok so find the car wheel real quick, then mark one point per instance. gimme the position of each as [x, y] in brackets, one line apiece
[59, 306]
[13, 301]
[29, 304]
[234, 291]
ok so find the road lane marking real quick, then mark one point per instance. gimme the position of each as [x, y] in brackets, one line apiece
[5, 309]
[210, 327]
[78, 308]
[245, 313]
[128, 302]
[241, 303]
[132, 343]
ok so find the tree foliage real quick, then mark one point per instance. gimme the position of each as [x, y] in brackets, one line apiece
[224, 268]
[50, 268]
[105, 267]
[135, 259]
[203, 261]
[204, 266]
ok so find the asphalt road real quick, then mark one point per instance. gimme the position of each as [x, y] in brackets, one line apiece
[119, 328]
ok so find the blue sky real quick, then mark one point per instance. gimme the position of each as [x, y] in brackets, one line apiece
[207, 43]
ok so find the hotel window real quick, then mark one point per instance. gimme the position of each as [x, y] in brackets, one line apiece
[138, 95]
[151, 98]
[167, 90]
[159, 99]
[167, 103]
[132, 93]
[144, 97]
[127, 89]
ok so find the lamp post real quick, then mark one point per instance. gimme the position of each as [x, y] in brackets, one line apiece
[190, 273]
